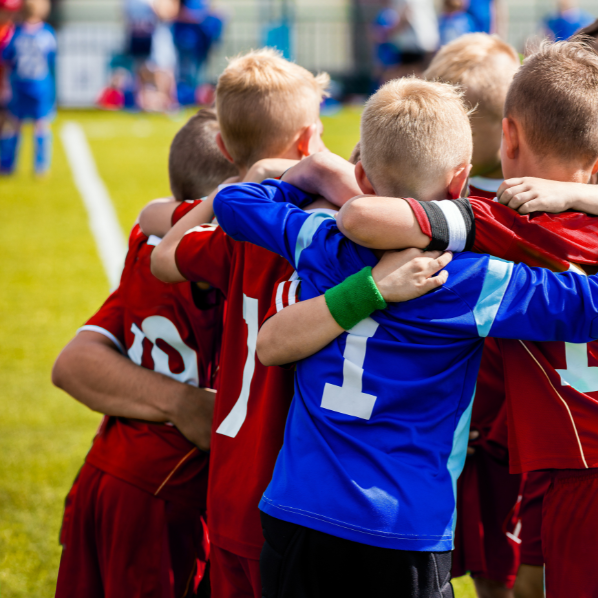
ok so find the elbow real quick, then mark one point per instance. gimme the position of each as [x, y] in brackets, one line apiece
[263, 348]
[160, 264]
[58, 372]
[350, 221]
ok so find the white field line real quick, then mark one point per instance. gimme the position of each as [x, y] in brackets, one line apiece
[103, 222]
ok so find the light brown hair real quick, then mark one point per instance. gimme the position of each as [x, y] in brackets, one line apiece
[554, 96]
[413, 133]
[195, 165]
[483, 65]
[263, 101]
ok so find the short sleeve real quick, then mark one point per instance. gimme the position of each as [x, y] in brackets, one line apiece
[286, 292]
[183, 209]
[204, 254]
[109, 321]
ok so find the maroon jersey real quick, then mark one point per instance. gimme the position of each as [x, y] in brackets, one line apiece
[552, 388]
[253, 400]
[174, 330]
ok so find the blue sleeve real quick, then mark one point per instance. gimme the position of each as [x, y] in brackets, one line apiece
[8, 54]
[535, 304]
[265, 215]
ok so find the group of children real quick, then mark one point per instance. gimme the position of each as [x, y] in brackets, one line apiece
[383, 420]
[27, 88]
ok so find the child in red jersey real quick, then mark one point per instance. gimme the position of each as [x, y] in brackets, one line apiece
[551, 388]
[134, 522]
[8, 9]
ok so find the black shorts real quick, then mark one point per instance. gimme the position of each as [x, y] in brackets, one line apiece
[298, 562]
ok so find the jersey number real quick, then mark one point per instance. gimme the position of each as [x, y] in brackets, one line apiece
[350, 398]
[159, 327]
[232, 423]
[579, 374]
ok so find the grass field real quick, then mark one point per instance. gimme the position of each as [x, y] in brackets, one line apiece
[52, 281]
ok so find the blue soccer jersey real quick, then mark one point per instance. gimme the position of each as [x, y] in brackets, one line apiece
[377, 432]
[31, 56]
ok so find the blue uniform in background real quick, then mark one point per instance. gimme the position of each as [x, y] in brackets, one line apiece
[30, 56]
[377, 433]
[454, 25]
[481, 12]
[564, 24]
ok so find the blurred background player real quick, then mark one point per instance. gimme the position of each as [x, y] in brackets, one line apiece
[8, 11]
[30, 57]
[135, 516]
[454, 21]
[567, 20]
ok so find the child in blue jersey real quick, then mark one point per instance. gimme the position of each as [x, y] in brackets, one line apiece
[362, 500]
[30, 57]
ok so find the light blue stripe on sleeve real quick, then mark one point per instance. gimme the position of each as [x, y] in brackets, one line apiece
[493, 290]
[308, 230]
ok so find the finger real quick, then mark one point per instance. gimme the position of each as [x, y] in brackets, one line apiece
[470, 450]
[522, 198]
[435, 254]
[508, 184]
[473, 435]
[433, 266]
[534, 205]
[433, 283]
[508, 194]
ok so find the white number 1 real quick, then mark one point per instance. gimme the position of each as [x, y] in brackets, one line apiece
[579, 374]
[232, 423]
[350, 398]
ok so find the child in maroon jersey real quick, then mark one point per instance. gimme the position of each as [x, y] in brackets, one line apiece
[134, 523]
[551, 387]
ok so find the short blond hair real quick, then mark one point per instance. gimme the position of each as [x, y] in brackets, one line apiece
[413, 133]
[476, 62]
[554, 96]
[263, 101]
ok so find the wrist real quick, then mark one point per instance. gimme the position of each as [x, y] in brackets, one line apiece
[354, 299]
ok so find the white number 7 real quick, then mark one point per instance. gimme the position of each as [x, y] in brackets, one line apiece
[232, 423]
[579, 374]
[349, 398]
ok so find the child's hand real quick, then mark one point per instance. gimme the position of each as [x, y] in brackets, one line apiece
[269, 168]
[529, 194]
[408, 274]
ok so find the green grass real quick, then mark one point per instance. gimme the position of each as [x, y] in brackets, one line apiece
[52, 281]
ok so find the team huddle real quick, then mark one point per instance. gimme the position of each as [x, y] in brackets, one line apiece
[354, 378]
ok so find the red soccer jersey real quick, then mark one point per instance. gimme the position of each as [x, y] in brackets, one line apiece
[552, 388]
[253, 400]
[174, 330]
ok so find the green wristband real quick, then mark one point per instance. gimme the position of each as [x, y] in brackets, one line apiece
[354, 299]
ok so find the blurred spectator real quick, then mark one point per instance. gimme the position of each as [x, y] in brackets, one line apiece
[8, 10]
[30, 56]
[454, 21]
[568, 19]
[489, 16]
[195, 31]
[406, 36]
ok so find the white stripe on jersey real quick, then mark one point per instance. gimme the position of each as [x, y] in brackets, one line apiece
[286, 292]
[106, 333]
[456, 225]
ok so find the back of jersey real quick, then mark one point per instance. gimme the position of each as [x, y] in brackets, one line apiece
[174, 330]
[253, 400]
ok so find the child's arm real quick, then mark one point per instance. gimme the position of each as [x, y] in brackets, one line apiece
[302, 329]
[92, 370]
[156, 217]
[381, 223]
[530, 194]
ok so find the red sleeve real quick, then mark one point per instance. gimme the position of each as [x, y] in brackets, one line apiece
[504, 233]
[183, 209]
[204, 254]
[109, 321]
[286, 292]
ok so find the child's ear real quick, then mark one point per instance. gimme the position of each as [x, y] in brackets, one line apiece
[458, 181]
[306, 143]
[222, 148]
[510, 137]
[362, 180]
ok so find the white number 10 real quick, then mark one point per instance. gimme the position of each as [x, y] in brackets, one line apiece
[350, 398]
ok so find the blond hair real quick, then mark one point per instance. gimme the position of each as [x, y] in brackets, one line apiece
[554, 96]
[413, 133]
[263, 101]
[480, 64]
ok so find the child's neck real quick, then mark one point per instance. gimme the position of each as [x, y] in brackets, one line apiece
[33, 21]
[552, 170]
